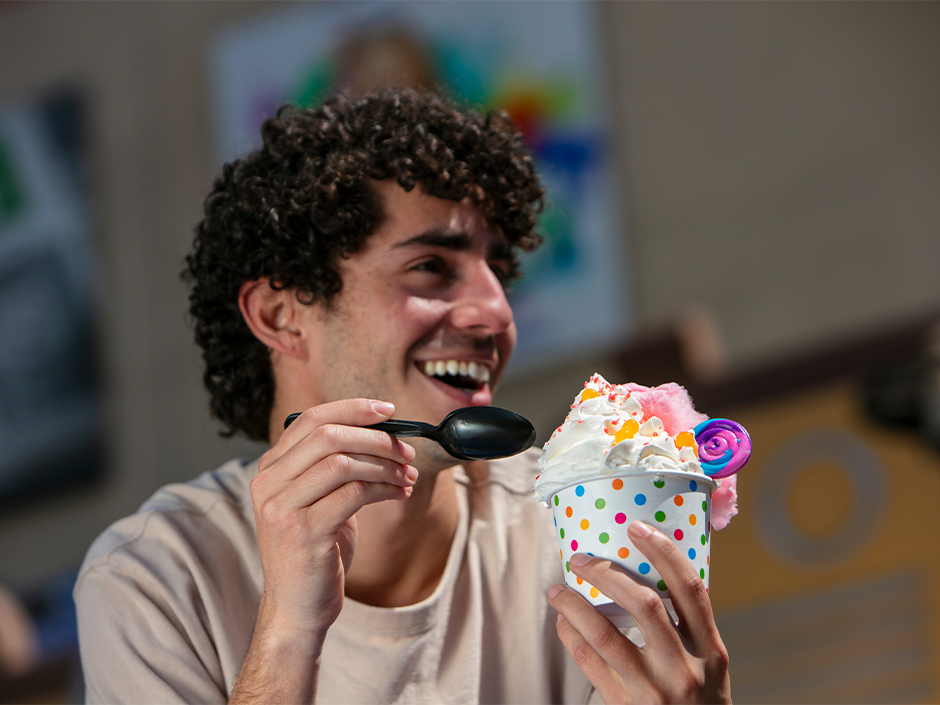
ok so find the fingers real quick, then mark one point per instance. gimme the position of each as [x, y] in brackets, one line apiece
[345, 412]
[340, 468]
[643, 604]
[686, 588]
[330, 439]
[595, 645]
[322, 520]
[333, 428]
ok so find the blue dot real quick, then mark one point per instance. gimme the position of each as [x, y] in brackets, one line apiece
[590, 554]
[692, 554]
[644, 568]
[640, 499]
[579, 490]
[556, 521]
[693, 485]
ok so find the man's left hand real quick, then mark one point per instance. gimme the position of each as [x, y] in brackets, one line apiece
[680, 663]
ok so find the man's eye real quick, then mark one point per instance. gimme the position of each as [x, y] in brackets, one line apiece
[433, 265]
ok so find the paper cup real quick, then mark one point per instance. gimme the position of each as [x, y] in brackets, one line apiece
[592, 516]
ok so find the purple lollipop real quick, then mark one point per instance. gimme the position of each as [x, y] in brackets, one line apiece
[723, 447]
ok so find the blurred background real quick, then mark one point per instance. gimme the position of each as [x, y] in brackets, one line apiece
[744, 198]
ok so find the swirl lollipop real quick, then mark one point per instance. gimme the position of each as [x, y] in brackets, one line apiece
[723, 446]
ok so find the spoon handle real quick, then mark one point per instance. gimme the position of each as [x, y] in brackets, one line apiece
[399, 429]
[405, 429]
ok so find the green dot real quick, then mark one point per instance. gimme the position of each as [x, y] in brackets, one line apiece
[563, 533]
[702, 573]
[659, 483]
[660, 516]
[567, 566]
[704, 506]
[604, 538]
[556, 500]
[600, 504]
[661, 585]
[703, 539]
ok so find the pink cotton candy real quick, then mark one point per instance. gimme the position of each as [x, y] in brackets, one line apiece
[670, 402]
[725, 502]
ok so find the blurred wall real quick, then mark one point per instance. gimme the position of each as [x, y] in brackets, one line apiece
[780, 165]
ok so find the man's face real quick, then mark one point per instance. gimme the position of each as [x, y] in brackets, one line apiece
[422, 320]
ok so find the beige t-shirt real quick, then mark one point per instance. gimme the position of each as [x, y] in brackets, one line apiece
[167, 600]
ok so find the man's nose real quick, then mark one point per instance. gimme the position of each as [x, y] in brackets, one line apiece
[481, 304]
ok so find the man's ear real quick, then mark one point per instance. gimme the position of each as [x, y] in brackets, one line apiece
[273, 315]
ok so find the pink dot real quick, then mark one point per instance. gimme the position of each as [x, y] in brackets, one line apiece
[620, 518]
[574, 545]
[678, 534]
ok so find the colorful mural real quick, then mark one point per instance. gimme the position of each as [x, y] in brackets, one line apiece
[537, 61]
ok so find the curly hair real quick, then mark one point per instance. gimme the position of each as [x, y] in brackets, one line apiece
[289, 210]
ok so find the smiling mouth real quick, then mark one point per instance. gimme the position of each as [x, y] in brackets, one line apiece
[471, 376]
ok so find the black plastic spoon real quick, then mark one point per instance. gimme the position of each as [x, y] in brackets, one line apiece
[471, 433]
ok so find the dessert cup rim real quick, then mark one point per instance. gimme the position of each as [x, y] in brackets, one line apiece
[643, 473]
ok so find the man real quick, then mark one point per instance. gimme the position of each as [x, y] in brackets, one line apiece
[354, 267]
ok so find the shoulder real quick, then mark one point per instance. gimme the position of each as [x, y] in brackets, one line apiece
[165, 596]
[178, 517]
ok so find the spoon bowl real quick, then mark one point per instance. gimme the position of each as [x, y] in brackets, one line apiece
[470, 433]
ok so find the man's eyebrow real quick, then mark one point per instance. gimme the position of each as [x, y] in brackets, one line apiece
[439, 237]
[456, 240]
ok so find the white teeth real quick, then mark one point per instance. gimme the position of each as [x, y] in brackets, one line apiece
[454, 368]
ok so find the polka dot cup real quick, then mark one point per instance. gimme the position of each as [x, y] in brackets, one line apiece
[592, 517]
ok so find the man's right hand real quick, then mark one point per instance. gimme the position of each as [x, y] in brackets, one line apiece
[309, 486]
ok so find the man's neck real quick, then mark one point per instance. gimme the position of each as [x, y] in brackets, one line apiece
[402, 547]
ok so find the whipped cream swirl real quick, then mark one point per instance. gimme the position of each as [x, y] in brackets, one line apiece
[617, 429]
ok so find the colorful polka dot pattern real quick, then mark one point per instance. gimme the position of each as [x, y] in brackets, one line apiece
[593, 517]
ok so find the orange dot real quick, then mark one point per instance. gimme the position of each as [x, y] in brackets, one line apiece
[678, 500]
[686, 439]
[708, 560]
[580, 580]
[595, 592]
[561, 554]
[692, 520]
[568, 512]
[589, 394]
[585, 524]
[628, 430]
[623, 552]
[618, 484]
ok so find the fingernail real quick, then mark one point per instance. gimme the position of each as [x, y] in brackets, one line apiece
[640, 530]
[408, 452]
[554, 590]
[383, 407]
[580, 559]
[410, 472]
[561, 618]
